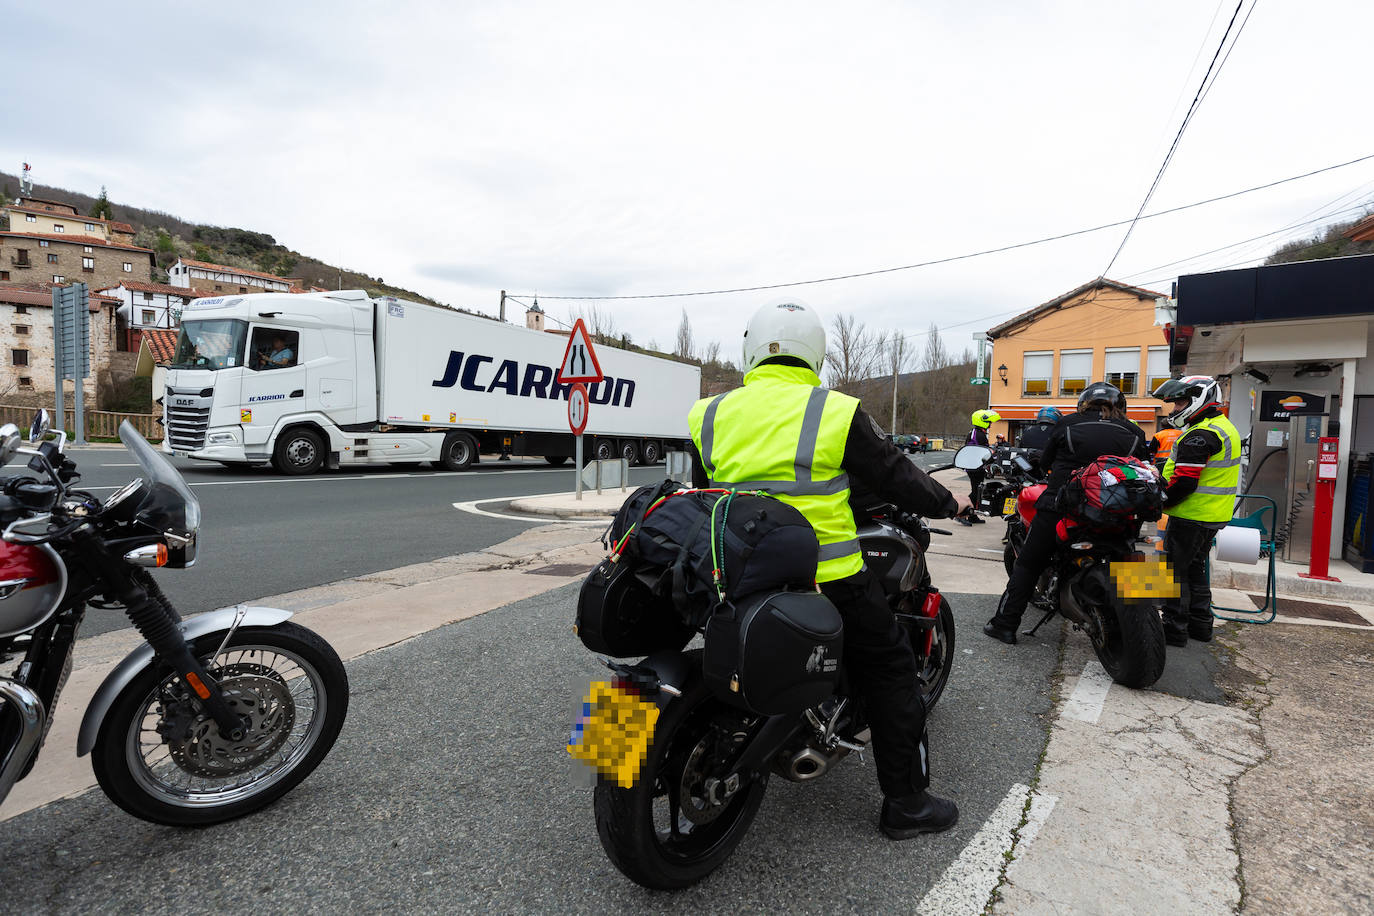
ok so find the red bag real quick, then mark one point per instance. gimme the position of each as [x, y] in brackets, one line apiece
[1112, 492]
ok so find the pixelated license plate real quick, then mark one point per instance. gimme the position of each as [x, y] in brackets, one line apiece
[1009, 506]
[613, 731]
[1144, 579]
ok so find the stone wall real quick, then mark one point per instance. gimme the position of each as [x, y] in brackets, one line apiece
[66, 259]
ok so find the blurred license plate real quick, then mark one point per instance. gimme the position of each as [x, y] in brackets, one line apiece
[1009, 506]
[1147, 579]
[613, 731]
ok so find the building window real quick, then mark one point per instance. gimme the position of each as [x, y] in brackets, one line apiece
[58, 278]
[1123, 368]
[86, 249]
[1075, 371]
[128, 267]
[30, 218]
[90, 227]
[147, 316]
[21, 310]
[52, 259]
[4, 274]
[88, 265]
[58, 227]
[1156, 368]
[147, 297]
[21, 329]
[25, 382]
[218, 287]
[19, 357]
[1037, 370]
[21, 257]
[42, 243]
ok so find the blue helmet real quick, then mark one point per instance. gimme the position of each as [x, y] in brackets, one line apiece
[1049, 415]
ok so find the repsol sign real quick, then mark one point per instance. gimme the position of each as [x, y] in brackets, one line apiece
[476, 372]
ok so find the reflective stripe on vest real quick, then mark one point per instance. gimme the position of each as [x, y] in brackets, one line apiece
[1214, 500]
[783, 434]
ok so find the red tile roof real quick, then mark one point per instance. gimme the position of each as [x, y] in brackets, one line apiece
[122, 227]
[76, 240]
[224, 268]
[41, 294]
[138, 287]
[161, 343]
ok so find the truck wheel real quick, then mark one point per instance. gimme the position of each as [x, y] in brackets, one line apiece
[652, 453]
[604, 450]
[460, 452]
[629, 451]
[298, 451]
[556, 461]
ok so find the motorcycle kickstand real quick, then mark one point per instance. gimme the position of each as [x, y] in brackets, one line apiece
[1043, 621]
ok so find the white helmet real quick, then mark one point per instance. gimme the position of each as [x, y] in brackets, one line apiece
[787, 328]
[1201, 391]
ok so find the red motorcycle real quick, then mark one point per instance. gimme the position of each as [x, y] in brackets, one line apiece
[1100, 579]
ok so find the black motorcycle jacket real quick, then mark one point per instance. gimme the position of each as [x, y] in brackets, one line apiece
[1080, 439]
[1037, 436]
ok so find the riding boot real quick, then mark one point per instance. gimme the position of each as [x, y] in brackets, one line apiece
[1003, 625]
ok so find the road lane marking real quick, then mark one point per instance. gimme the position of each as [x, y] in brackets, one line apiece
[1085, 703]
[971, 878]
[471, 506]
[119, 465]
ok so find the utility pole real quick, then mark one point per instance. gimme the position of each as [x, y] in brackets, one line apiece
[503, 305]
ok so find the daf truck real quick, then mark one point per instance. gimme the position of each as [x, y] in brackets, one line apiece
[308, 381]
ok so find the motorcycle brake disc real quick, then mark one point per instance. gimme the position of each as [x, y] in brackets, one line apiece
[262, 701]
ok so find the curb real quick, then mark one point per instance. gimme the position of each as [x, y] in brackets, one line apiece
[1291, 586]
[530, 507]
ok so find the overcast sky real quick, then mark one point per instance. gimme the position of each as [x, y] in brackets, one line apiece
[619, 149]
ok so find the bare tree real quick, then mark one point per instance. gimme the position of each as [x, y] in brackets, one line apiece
[683, 348]
[599, 323]
[854, 353]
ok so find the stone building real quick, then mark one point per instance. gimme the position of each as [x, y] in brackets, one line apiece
[29, 258]
[219, 278]
[27, 371]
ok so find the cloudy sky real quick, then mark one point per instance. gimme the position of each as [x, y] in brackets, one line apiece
[632, 149]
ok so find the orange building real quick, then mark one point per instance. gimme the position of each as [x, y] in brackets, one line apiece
[1048, 355]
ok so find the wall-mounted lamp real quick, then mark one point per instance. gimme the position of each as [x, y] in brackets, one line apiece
[1002, 373]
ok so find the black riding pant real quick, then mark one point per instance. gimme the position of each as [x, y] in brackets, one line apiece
[975, 480]
[882, 669]
[1036, 554]
[1186, 543]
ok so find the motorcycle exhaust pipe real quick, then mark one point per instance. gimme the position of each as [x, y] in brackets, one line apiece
[807, 764]
[30, 710]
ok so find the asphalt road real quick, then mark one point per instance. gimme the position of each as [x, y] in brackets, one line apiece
[450, 791]
[264, 534]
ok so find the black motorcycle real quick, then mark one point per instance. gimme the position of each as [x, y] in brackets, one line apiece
[213, 717]
[670, 817]
[1101, 580]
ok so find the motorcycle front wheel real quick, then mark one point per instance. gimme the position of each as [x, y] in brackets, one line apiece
[160, 756]
[666, 831]
[933, 667]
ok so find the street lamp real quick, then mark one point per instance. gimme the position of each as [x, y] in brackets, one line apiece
[1002, 373]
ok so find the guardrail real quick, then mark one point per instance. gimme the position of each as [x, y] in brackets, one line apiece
[102, 424]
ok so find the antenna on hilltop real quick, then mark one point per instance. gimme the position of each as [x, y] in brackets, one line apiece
[26, 181]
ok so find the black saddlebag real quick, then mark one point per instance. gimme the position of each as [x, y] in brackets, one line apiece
[618, 615]
[774, 652]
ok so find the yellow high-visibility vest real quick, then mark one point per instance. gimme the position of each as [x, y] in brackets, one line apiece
[1214, 500]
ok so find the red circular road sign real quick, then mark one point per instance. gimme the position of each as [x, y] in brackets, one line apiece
[577, 408]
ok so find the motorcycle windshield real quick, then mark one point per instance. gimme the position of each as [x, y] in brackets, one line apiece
[170, 506]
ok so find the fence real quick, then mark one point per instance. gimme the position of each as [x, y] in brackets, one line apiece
[100, 424]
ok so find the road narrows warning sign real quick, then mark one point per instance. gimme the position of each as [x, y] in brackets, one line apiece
[579, 360]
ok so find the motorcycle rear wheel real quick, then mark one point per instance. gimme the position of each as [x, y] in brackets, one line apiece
[657, 837]
[933, 669]
[1129, 642]
[287, 683]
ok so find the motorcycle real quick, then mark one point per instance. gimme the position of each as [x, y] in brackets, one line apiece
[1100, 580]
[683, 770]
[213, 717]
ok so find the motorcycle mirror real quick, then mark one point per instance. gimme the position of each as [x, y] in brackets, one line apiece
[40, 426]
[971, 457]
[9, 443]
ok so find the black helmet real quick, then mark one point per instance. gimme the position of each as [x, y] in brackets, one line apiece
[1102, 391]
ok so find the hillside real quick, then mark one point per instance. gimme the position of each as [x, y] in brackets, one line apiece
[172, 237]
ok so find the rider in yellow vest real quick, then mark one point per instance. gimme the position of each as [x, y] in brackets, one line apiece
[784, 433]
[1202, 476]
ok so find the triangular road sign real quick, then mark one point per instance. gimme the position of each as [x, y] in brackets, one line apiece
[579, 360]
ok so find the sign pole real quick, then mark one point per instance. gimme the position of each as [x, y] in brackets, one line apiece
[577, 465]
[579, 369]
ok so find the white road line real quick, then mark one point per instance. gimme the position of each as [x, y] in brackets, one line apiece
[1085, 703]
[119, 465]
[471, 506]
[991, 550]
[970, 879]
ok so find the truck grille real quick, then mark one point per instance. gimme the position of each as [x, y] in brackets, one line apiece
[188, 418]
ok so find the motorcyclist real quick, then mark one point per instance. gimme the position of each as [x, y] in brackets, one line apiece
[977, 435]
[1162, 445]
[784, 433]
[1098, 428]
[1201, 478]
[1037, 435]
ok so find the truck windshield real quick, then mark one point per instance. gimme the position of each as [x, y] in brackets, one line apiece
[210, 344]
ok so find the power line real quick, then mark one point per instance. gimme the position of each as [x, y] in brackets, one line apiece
[1187, 119]
[965, 257]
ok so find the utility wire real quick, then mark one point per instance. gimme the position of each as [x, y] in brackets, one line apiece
[1187, 119]
[965, 257]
